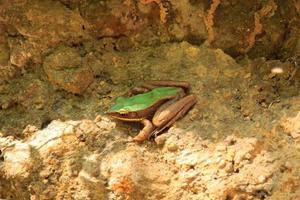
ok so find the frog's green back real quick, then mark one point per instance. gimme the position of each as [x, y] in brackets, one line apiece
[143, 101]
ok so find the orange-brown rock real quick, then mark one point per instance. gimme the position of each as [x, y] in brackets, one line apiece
[65, 70]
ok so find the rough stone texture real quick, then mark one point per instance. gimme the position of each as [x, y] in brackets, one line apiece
[65, 69]
[31, 33]
[291, 126]
[222, 86]
[240, 141]
[258, 28]
[231, 145]
[38, 26]
[93, 160]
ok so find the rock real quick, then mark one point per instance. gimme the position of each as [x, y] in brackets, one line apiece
[172, 147]
[65, 70]
[291, 126]
[37, 28]
[221, 164]
[161, 139]
[105, 165]
[261, 179]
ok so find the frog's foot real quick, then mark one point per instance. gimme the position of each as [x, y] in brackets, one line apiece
[145, 133]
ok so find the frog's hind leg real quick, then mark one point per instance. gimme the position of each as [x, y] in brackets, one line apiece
[140, 89]
[145, 133]
[149, 85]
[172, 113]
[168, 83]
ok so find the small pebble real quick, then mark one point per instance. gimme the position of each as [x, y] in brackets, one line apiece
[222, 164]
[160, 140]
[261, 179]
[45, 181]
[247, 75]
[207, 162]
[98, 118]
[248, 156]
[229, 168]
[230, 154]
[276, 70]
[172, 147]
[288, 165]
[5, 106]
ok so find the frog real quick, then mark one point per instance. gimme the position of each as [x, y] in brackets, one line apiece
[157, 104]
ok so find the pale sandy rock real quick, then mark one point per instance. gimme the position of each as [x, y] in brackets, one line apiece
[291, 126]
[213, 168]
[100, 163]
[17, 160]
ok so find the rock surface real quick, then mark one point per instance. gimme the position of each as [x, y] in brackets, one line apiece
[63, 62]
[65, 69]
[93, 160]
[233, 144]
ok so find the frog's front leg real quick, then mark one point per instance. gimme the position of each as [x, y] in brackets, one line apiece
[145, 133]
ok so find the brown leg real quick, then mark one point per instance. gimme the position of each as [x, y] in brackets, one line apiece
[173, 112]
[169, 83]
[145, 133]
[149, 85]
[145, 87]
[136, 90]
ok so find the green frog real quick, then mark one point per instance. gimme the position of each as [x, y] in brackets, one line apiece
[156, 104]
